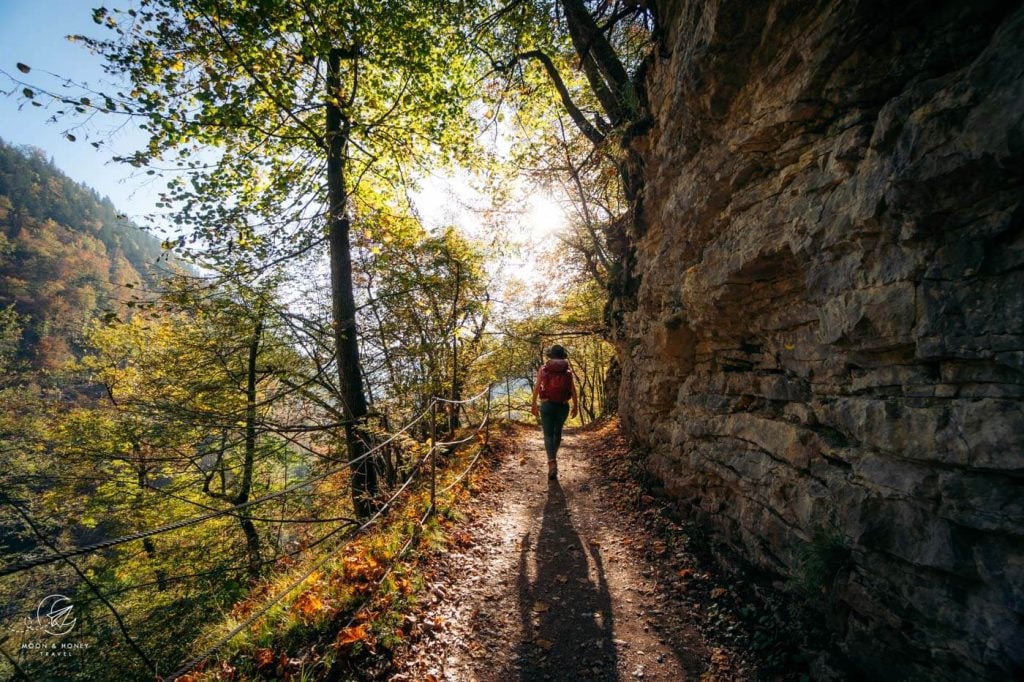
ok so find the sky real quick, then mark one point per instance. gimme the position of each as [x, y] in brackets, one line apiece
[34, 32]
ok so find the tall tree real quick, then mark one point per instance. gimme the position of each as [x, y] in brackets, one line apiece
[426, 300]
[284, 121]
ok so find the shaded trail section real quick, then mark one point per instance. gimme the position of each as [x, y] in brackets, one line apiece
[544, 585]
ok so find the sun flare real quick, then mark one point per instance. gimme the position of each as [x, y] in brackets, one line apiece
[543, 218]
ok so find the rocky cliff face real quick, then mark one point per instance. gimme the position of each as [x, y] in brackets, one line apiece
[825, 350]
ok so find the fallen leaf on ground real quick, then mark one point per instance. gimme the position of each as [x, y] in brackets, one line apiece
[562, 578]
[544, 644]
[540, 607]
[357, 633]
[719, 657]
[719, 592]
[263, 657]
[308, 604]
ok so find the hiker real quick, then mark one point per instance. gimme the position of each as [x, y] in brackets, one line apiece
[555, 388]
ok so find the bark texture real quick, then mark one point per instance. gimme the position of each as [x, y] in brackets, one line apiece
[343, 305]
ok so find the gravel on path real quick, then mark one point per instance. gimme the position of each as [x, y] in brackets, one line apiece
[549, 582]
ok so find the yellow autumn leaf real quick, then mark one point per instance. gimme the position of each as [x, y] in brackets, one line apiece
[309, 603]
[354, 634]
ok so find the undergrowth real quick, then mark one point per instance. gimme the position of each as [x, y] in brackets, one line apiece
[345, 620]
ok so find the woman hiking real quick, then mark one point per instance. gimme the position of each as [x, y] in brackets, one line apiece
[555, 388]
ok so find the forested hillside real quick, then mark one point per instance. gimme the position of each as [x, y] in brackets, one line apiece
[66, 256]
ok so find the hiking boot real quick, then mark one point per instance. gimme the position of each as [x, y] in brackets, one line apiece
[552, 469]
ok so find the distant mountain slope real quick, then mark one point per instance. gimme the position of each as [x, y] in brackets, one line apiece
[65, 255]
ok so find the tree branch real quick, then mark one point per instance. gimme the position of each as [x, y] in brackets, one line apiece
[601, 64]
[585, 126]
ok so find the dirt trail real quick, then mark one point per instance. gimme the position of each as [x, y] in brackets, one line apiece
[548, 585]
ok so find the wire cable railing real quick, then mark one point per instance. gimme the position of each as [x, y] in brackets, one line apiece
[465, 401]
[468, 469]
[349, 526]
[233, 510]
[450, 443]
[256, 615]
[431, 454]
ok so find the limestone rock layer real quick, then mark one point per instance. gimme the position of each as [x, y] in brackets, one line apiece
[824, 350]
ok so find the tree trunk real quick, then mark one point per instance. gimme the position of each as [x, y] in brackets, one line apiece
[252, 538]
[601, 65]
[350, 377]
[456, 393]
[252, 545]
[250, 411]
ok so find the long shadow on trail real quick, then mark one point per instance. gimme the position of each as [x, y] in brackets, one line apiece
[566, 617]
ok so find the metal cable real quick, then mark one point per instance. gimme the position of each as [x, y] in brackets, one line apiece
[468, 469]
[447, 443]
[249, 517]
[189, 665]
[210, 651]
[466, 400]
[26, 564]
[226, 569]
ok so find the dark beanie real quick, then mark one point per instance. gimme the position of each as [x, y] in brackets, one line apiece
[557, 352]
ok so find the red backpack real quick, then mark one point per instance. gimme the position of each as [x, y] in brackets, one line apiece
[556, 381]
